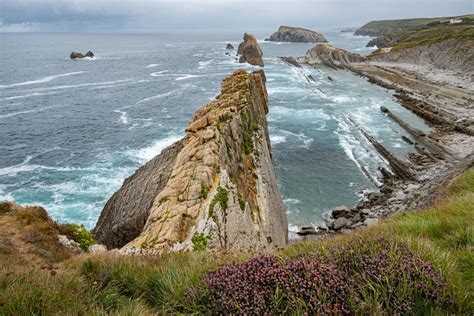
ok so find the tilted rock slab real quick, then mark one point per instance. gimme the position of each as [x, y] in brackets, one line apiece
[296, 35]
[222, 191]
[250, 51]
[330, 56]
[126, 212]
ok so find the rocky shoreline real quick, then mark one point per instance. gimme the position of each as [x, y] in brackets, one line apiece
[437, 158]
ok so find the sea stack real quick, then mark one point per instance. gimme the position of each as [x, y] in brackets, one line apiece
[250, 51]
[215, 189]
[296, 35]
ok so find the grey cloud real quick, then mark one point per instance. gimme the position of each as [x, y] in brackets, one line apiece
[149, 15]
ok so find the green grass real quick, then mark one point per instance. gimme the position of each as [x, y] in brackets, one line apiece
[171, 284]
[434, 35]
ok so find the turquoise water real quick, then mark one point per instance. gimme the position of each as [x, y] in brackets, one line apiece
[72, 131]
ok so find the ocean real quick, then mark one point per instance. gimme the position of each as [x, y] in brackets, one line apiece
[72, 130]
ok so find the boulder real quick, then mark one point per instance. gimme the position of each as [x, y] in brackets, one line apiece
[229, 46]
[340, 211]
[250, 51]
[340, 223]
[97, 248]
[371, 221]
[296, 35]
[76, 55]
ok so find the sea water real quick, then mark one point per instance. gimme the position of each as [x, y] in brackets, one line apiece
[72, 130]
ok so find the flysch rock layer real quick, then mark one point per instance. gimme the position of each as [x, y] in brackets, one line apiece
[330, 56]
[126, 212]
[222, 190]
[296, 35]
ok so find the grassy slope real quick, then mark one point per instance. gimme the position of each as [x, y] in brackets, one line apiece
[99, 284]
[434, 35]
[404, 24]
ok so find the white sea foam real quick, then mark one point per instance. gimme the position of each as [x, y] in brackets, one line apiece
[204, 64]
[30, 111]
[276, 139]
[159, 73]
[343, 99]
[42, 80]
[147, 153]
[152, 66]
[123, 117]
[91, 84]
[159, 96]
[187, 77]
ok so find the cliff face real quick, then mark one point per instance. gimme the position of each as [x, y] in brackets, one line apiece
[328, 55]
[221, 190]
[455, 54]
[296, 34]
[250, 51]
[126, 212]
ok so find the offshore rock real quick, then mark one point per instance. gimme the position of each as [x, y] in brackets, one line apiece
[221, 190]
[229, 46]
[330, 56]
[250, 51]
[296, 35]
[75, 55]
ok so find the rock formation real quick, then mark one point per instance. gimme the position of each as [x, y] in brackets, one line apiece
[126, 212]
[75, 55]
[297, 35]
[455, 54]
[229, 46]
[250, 51]
[328, 55]
[221, 190]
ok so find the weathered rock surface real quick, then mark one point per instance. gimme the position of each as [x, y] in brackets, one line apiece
[126, 212]
[250, 51]
[297, 35]
[328, 55]
[221, 189]
[75, 55]
[455, 54]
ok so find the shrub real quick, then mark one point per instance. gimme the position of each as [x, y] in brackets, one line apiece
[204, 190]
[79, 234]
[363, 276]
[199, 241]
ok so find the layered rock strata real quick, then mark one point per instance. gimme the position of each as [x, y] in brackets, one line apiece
[249, 51]
[296, 35]
[330, 56]
[221, 190]
[126, 212]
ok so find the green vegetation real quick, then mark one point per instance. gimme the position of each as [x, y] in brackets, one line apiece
[163, 200]
[79, 234]
[242, 204]
[442, 237]
[204, 190]
[221, 197]
[199, 241]
[434, 35]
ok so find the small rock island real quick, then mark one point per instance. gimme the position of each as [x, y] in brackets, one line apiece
[296, 35]
[250, 51]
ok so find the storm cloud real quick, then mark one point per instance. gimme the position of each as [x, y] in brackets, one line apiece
[168, 15]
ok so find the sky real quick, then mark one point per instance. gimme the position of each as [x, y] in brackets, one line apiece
[211, 15]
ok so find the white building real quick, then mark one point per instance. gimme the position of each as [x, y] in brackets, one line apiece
[455, 21]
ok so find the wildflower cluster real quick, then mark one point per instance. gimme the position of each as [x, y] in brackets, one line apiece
[362, 276]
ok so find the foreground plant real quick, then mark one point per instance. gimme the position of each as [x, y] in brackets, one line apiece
[360, 276]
